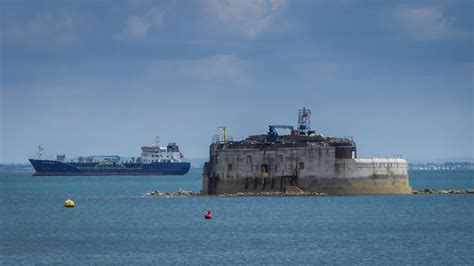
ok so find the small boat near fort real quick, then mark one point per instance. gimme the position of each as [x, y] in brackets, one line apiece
[154, 160]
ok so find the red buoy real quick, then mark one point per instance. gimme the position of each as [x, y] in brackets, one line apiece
[208, 216]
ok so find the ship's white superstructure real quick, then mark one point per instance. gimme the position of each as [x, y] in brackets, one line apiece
[155, 153]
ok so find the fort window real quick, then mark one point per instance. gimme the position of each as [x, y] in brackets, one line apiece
[229, 167]
[301, 165]
[280, 158]
[265, 170]
[249, 159]
[344, 152]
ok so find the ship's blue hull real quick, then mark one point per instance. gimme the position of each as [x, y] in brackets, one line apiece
[56, 168]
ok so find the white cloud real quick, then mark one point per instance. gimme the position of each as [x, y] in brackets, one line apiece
[248, 17]
[221, 67]
[218, 67]
[424, 23]
[137, 28]
[42, 29]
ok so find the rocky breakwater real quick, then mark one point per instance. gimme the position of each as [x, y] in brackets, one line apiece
[291, 191]
[430, 191]
[272, 193]
[180, 192]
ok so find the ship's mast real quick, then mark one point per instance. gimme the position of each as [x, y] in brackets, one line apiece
[40, 152]
[156, 142]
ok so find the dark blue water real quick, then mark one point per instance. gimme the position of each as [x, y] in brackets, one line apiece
[113, 223]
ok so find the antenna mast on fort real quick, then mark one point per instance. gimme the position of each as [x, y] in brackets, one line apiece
[224, 132]
[304, 121]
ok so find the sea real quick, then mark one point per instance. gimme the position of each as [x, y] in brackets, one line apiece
[114, 222]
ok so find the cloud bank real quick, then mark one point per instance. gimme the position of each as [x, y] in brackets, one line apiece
[138, 27]
[424, 23]
[247, 17]
[43, 28]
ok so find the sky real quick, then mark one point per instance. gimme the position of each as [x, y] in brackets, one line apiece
[106, 77]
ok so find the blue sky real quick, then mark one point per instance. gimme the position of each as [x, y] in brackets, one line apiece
[105, 77]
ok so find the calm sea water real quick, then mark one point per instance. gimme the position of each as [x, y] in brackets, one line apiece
[114, 224]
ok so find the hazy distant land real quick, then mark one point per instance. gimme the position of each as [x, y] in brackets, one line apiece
[435, 165]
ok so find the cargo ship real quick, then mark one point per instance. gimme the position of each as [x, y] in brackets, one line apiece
[154, 160]
[302, 161]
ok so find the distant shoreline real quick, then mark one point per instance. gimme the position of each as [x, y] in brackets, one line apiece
[447, 166]
[441, 166]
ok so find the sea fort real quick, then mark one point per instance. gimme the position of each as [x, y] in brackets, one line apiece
[302, 161]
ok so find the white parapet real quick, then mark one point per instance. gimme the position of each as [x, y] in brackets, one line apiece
[370, 167]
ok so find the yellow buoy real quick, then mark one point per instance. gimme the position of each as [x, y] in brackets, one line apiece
[69, 204]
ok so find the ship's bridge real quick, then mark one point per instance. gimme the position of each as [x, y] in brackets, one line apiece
[151, 149]
[155, 153]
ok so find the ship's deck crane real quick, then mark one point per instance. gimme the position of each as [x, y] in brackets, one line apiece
[272, 129]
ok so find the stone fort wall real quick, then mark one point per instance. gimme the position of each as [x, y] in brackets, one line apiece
[311, 168]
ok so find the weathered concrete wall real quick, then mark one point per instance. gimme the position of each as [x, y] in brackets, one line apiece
[313, 168]
[363, 176]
